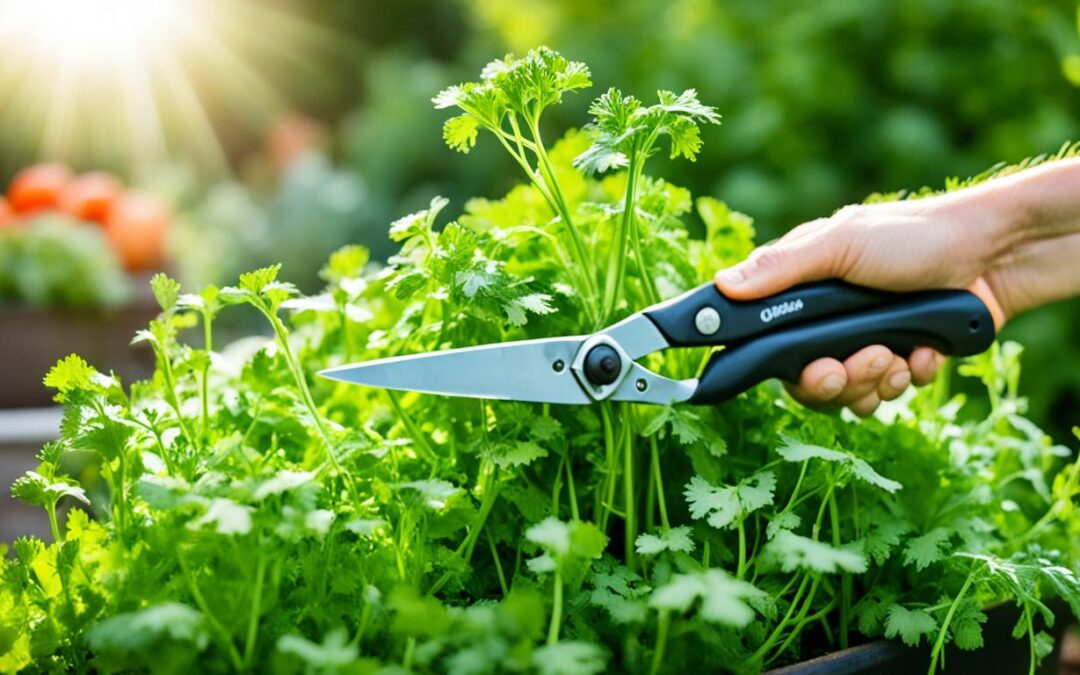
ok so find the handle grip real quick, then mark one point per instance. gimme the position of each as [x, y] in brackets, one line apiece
[955, 323]
[739, 320]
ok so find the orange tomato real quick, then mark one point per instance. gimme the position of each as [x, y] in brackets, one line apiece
[136, 227]
[7, 215]
[38, 187]
[91, 196]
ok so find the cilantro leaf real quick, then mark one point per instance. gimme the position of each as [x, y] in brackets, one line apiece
[794, 551]
[910, 624]
[725, 505]
[675, 539]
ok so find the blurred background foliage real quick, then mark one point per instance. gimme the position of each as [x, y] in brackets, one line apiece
[282, 129]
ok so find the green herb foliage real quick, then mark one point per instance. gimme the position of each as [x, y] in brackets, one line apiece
[259, 519]
[57, 262]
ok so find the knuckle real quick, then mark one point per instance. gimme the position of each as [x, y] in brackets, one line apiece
[771, 257]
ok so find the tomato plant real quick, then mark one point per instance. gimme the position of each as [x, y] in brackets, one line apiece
[255, 518]
[38, 187]
[137, 226]
[91, 196]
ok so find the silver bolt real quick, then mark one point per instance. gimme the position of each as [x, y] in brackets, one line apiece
[707, 321]
[558, 366]
[641, 385]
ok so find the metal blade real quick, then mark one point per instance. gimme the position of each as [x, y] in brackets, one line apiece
[529, 370]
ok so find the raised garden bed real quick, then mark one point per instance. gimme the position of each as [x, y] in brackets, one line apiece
[32, 339]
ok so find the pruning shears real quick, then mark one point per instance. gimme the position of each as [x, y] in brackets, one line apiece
[771, 337]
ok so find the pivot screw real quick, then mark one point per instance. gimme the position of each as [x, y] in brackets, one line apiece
[707, 321]
[641, 385]
[558, 366]
[602, 365]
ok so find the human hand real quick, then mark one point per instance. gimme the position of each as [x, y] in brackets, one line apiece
[950, 241]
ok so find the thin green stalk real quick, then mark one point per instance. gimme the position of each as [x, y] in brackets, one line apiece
[660, 502]
[938, 652]
[759, 655]
[205, 384]
[498, 563]
[548, 171]
[652, 295]
[50, 508]
[570, 487]
[556, 486]
[609, 479]
[613, 281]
[253, 617]
[800, 620]
[556, 609]
[740, 571]
[845, 578]
[418, 436]
[630, 521]
[223, 634]
[661, 641]
[170, 392]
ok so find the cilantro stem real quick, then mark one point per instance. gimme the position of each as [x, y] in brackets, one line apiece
[740, 571]
[660, 502]
[170, 390]
[498, 563]
[415, 433]
[630, 519]
[845, 577]
[256, 603]
[662, 622]
[775, 635]
[223, 634]
[607, 495]
[547, 170]
[50, 508]
[613, 281]
[939, 644]
[801, 620]
[570, 487]
[556, 608]
[205, 384]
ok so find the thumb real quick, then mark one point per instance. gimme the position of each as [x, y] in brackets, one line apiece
[773, 268]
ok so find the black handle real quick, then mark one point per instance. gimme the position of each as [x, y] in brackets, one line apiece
[955, 323]
[678, 318]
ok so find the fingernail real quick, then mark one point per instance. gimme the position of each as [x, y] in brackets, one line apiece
[900, 380]
[832, 385]
[880, 362]
[732, 276]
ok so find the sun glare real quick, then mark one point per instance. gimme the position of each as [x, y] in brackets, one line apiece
[98, 33]
[127, 84]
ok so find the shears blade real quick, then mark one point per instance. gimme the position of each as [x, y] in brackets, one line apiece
[528, 370]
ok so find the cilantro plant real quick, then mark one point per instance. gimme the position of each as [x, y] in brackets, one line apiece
[251, 517]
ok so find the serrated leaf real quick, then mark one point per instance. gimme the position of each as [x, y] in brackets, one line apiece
[927, 549]
[70, 373]
[909, 624]
[725, 505]
[794, 450]
[460, 132]
[569, 658]
[794, 551]
[166, 291]
[675, 539]
[517, 453]
[724, 599]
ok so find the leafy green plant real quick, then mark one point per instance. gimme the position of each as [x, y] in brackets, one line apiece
[53, 261]
[258, 519]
